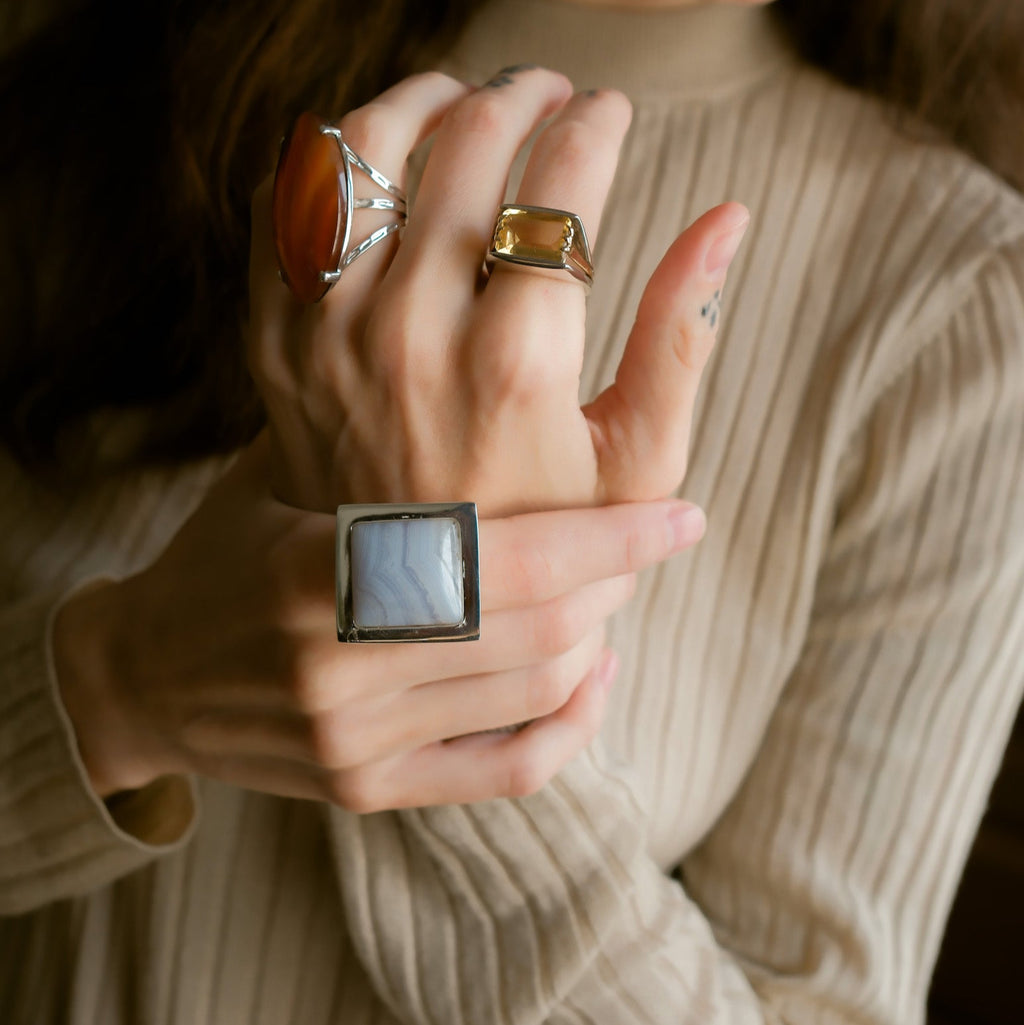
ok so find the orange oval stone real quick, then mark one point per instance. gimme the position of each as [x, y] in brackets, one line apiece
[309, 208]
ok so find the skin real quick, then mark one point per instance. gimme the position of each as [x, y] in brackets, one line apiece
[473, 391]
[244, 681]
[471, 387]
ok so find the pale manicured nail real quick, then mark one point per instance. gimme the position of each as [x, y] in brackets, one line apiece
[723, 248]
[688, 525]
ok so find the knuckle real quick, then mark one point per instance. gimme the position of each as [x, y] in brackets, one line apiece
[611, 594]
[559, 626]
[525, 775]
[534, 574]
[573, 143]
[369, 129]
[354, 792]
[516, 373]
[437, 81]
[642, 547]
[482, 113]
[309, 678]
[334, 746]
[550, 687]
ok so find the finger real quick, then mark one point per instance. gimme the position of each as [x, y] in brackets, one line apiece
[571, 168]
[484, 766]
[534, 557]
[524, 560]
[328, 674]
[465, 178]
[383, 133]
[641, 422]
[444, 709]
[402, 117]
[380, 727]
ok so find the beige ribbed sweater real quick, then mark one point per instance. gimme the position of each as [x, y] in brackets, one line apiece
[811, 706]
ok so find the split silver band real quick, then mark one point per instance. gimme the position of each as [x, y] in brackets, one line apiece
[398, 203]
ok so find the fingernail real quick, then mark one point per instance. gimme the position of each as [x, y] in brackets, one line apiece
[723, 247]
[688, 524]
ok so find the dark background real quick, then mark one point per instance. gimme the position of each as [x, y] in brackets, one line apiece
[979, 979]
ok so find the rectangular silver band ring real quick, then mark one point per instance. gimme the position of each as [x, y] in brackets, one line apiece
[408, 572]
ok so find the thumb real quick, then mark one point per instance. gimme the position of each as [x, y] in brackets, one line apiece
[641, 423]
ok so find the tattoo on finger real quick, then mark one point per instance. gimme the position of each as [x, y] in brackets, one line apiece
[506, 76]
[711, 310]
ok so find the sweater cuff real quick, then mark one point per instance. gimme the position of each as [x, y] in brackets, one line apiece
[60, 838]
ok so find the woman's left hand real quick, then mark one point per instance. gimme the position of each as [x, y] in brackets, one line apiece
[420, 380]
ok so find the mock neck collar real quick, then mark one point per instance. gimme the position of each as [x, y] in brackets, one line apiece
[696, 50]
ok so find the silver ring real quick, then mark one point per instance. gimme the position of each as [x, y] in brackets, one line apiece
[314, 198]
[542, 238]
[408, 572]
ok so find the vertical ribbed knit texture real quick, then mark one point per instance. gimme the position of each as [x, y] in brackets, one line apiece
[811, 705]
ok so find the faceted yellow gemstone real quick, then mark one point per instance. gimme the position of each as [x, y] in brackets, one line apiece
[539, 238]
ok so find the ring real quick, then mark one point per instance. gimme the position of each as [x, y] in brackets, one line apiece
[538, 236]
[408, 572]
[313, 204]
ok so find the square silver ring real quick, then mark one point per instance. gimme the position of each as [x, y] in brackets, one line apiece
[408, 572]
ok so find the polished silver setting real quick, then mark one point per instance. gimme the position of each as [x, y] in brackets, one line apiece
[397, 203]
[463, 515]
[571, 253]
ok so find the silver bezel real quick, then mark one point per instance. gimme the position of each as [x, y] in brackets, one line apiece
[465, 514]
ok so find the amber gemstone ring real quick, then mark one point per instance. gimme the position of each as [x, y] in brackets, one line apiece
[543, 238]
[313, 204]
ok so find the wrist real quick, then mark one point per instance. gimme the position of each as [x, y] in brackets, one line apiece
[90, 669]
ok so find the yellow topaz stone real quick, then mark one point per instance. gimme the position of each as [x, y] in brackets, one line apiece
[537, 237]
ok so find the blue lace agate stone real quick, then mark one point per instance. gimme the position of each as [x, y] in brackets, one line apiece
[407, 573]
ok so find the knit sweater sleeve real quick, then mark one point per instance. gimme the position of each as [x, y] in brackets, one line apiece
[57, 838]
[821, 894]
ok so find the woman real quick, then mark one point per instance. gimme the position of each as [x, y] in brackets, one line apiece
[811, 707]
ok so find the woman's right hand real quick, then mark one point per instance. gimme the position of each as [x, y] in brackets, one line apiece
[221, 658]
[415, 380]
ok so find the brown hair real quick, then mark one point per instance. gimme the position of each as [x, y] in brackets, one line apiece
[126, 174]
[956, 66]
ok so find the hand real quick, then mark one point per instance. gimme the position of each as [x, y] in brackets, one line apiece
[413, 381]
[221, 658]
